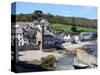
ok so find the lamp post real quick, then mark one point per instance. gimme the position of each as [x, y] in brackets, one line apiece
[42, 25]
[15, 49]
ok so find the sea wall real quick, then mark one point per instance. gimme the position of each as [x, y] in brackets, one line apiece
[86, 58]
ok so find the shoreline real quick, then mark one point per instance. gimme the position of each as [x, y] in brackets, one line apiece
[70, 47]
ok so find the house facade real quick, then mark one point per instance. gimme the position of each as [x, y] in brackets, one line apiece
[39, 39]
[85, 36]
[17, 33]
[48, 38]
[19, 36]
[20, 31]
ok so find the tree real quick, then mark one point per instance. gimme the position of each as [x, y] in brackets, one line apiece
[73, 28]
[38, 14]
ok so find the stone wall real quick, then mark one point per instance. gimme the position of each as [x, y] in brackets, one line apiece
[86, 58]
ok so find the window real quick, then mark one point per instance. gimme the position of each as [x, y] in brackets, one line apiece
[20, 43]
[20, 38]
[16, 34]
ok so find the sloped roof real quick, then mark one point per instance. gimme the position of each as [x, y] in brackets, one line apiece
[49, 33]
[17, 31]
[23, 24]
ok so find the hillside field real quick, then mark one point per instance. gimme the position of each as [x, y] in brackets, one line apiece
[67, 28]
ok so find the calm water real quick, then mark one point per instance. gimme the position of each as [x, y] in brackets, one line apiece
[66, 62]
[93, 49]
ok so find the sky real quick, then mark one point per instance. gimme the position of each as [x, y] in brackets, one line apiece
[57, 9]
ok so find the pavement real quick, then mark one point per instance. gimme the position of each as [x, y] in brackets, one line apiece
[36, 55]
[63, 62]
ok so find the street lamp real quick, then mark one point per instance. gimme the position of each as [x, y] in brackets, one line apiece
[42, 22]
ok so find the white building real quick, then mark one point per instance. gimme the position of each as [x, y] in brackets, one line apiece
[17, 33]
[19, 36]
[67, 38]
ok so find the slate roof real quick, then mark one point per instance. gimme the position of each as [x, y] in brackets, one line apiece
[49, 33]
[19, 30]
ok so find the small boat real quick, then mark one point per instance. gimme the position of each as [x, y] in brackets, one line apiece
[80, 66]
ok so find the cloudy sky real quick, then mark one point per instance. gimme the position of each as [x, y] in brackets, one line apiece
[58, 9]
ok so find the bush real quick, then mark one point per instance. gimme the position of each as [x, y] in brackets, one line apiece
[73, 29]
[48, 61]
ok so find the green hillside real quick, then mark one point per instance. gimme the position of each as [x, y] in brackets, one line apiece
[67, 28]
